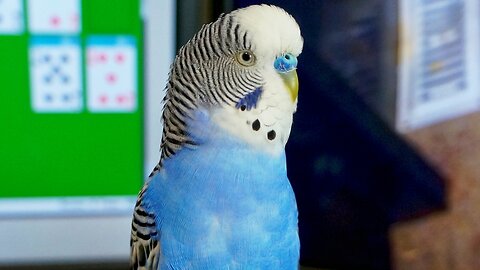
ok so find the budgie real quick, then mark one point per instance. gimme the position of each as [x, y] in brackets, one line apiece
[219, 197]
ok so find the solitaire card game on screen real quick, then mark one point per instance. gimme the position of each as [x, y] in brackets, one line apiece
[71, 98]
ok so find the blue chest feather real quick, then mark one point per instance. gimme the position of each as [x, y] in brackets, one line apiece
[224, 205]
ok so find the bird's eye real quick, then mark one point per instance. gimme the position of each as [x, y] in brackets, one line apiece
[246, 58]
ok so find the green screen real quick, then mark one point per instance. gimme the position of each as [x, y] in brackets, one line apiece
[81, 153]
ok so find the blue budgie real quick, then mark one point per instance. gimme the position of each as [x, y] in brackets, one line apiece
[220, 198]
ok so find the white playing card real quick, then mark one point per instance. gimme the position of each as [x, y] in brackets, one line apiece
[55, 74]
[111, 74]
[11, 17]
[54, 16]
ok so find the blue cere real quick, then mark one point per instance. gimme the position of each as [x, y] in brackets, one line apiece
[285, 63]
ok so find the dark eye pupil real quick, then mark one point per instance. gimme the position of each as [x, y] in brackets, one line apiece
[246, 56]
[287, 56]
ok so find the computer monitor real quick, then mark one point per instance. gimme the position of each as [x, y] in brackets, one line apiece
[80, 106]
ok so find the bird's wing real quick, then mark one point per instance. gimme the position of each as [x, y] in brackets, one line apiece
[144, 241]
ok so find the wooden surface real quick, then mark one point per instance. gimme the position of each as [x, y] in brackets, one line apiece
[451, 239]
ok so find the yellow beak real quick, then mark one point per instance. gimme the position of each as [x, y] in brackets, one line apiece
[290, 80]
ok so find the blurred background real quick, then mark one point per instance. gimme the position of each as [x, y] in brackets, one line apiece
[383, 155]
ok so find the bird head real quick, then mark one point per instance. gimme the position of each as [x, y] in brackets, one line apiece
[275, 43]
[241, 68]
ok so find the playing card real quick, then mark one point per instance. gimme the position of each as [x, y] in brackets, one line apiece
[111, 74]
[54, 16]
[11, 17]
[55, 74]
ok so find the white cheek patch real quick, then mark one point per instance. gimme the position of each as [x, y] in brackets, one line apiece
[266, 126]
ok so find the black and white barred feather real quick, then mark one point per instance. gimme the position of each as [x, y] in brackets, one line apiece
[205, 72]
[144, 244]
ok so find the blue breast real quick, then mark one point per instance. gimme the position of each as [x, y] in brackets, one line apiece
[224, 204]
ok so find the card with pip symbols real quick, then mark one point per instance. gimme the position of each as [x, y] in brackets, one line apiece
[54, 16]
[111, 74]
[11, 17]
[55, 74]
